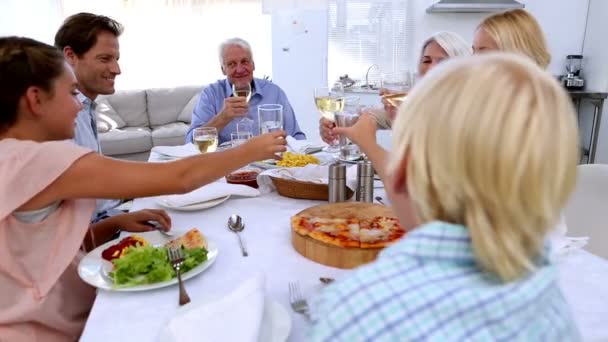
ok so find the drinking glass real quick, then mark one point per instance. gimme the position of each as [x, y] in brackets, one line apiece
[270, 118]
[242, 91]
[238, 138]
[398, 84]
[348, 150]
[330, 101]
[205, 139]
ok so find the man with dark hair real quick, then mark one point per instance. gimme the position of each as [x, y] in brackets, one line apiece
[90, 45]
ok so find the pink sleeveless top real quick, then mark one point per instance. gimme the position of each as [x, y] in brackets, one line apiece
[42, 298]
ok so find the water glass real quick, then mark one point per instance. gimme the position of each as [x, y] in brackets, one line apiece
[238, 138]
[270, 117]
[348, 150]
[205, 139]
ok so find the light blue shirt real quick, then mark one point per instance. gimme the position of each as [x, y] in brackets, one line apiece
[86, 135]
[264, 92]
[86, 124]
[429, 287]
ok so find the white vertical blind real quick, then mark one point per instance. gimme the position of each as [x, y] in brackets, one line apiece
[367, 32]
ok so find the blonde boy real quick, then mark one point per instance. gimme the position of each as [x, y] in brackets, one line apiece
[485, 177]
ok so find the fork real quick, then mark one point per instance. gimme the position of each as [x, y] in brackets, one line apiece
[176, 258]
[297, 301]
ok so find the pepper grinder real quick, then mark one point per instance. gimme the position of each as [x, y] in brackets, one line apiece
[365, 181]
[337, 182]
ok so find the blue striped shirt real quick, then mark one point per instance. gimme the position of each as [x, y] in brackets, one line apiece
[264, 92]
[428, 287]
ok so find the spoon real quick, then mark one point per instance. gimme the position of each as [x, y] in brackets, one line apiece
[379, 199]
[235, 224]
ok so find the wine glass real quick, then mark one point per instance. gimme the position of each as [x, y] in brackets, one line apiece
[243, 90]
[205, 139]
[398, 85]
[330, 101]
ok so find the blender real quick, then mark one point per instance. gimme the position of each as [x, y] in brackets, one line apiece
[572, 80]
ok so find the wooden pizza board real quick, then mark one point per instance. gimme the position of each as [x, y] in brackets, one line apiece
[335, 256]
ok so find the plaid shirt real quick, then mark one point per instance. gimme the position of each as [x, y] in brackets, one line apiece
[428, 287]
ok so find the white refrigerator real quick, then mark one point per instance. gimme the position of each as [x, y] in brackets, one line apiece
[595, 68]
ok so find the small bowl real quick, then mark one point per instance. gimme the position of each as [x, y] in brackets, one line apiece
[245, 177]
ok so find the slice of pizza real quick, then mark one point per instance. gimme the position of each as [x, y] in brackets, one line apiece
[333, 231]
[380, 232]
[192, 239]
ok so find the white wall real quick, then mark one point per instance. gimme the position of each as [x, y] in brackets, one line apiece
[595, 52]
[298, 71]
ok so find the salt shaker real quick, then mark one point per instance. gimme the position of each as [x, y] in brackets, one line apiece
[365, 181]
[337, 182]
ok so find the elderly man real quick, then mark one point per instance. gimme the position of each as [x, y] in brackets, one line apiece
[219, 108]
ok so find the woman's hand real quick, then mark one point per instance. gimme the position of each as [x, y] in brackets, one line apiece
[266, 146]
[362, 133]
[139, 221]
[391, 110]
[325, 128]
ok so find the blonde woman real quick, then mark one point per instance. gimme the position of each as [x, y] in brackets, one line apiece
[513, 31]
[485, 187]
[437, 48]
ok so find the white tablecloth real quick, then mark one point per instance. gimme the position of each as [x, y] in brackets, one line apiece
[121, 316]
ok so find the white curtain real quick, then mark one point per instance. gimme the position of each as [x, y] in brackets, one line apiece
[37, 19]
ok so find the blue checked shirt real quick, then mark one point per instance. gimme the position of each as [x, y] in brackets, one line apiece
[264, 92]
[428, 287]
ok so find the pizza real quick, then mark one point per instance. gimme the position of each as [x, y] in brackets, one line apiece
[349, 225]
[192, 239]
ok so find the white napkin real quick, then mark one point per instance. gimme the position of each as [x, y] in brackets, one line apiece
[210, 192]
[216, 321]
[309, 173]
[180, 151]
[300, 146]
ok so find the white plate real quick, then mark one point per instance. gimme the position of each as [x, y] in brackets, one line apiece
[93, 268]
[162, 201]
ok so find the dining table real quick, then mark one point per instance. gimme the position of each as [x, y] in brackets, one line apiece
[141, 316]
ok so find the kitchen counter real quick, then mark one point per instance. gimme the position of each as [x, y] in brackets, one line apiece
[587, 94]
[596, 98]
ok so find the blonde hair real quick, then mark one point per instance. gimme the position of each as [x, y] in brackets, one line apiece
[450, 42]
[517, 31]
[497, 154]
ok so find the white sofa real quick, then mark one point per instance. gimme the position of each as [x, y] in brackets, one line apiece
[131, 122]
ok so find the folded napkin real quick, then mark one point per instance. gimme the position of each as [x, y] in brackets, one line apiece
[235, 317]
[309, 173]
[300, 146]
[210, 192]
[180, 151]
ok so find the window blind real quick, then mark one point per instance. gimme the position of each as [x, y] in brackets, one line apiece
[367, 32]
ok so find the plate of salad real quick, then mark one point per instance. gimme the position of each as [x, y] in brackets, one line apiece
[139, 262]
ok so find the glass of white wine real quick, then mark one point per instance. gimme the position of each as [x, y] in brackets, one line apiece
[329, 101]
[205, 139]
[243, 90]
[398, 85]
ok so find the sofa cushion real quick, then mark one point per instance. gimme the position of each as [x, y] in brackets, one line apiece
[126, 140]
[130, 105]
[170, 134]
[186, 114]
[166, 104]
[107, 117]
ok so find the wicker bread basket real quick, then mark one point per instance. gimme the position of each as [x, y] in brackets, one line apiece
[304, 190]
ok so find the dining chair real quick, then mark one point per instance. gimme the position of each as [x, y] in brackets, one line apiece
[587, 210]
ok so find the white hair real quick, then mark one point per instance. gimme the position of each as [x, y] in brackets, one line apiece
[452, 43]
[234, 41]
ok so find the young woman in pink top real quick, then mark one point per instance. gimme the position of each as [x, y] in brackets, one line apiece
[48, 186]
